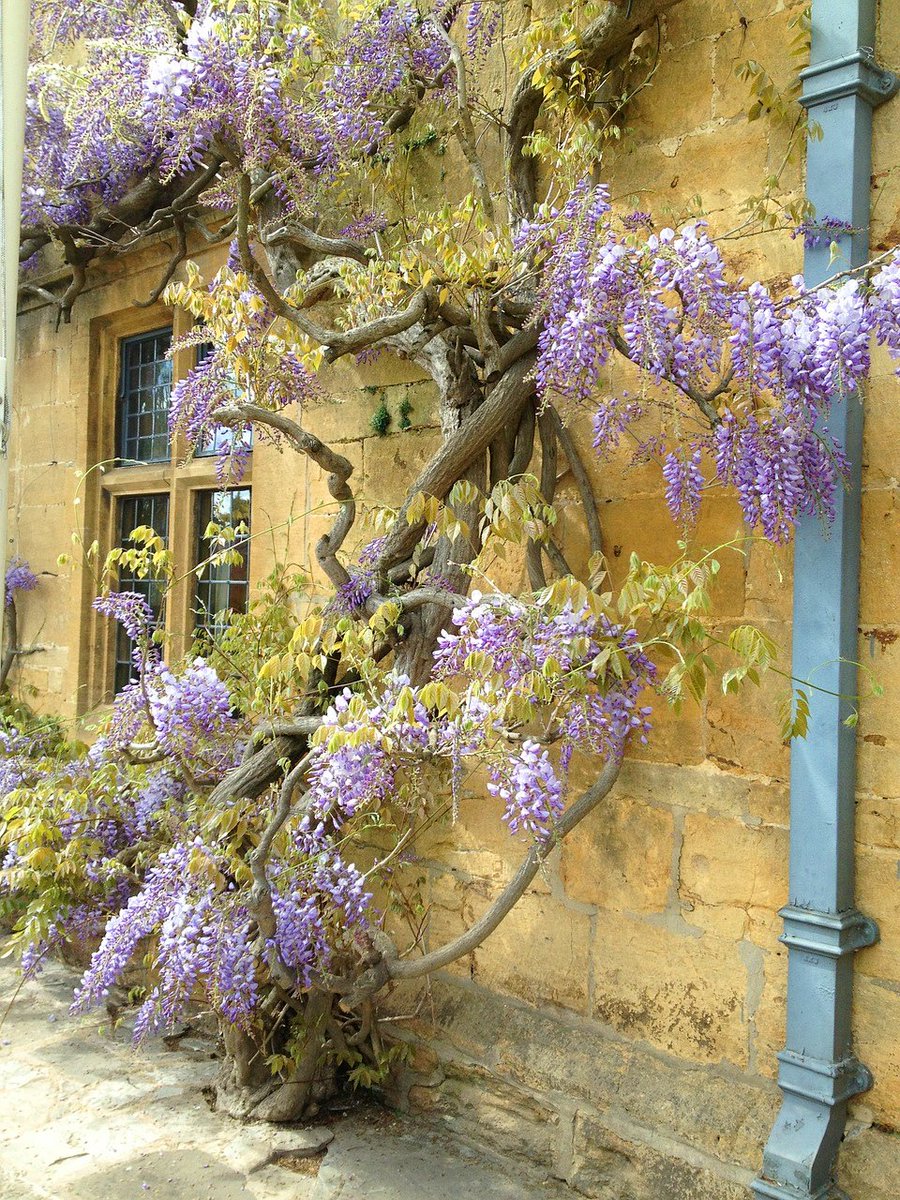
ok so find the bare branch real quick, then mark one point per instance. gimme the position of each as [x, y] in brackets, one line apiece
[515, 889]
[339, 344]
[426, 595]
[464, 130]
[705, 401]
[339, 471]
[303, 441]
[611, 32]
[549, 447]
[277, 302]
[470, 441]
[556, 557]
[580, 475]
[336, 343]
[301, 235]
[261, 892]
[524, 445]
[10, 640]
[178, 257]
[40, 293]
[524, 341]
[392, 966]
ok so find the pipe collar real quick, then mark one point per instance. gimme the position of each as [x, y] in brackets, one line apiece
[853, 75]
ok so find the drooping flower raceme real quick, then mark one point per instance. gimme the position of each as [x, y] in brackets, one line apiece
[131, 610]
[761, 371]
[202, 940]
[574, 675]
[320, 903]
[530, 788]
[19, 578]
[191, 715]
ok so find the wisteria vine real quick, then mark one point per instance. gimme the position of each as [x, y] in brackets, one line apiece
[247, 822]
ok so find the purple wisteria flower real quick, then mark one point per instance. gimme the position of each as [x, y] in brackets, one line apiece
[775, 366]
[320, 903]
[19, 578]
[684, 481]
[131, 610]
[202, 939]
[593, 712]
[821, 231]
[191, 715]
[530, 789]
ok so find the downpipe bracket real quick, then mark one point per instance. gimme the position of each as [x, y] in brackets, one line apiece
[831, 934]
[852, 75]
[822, 1082]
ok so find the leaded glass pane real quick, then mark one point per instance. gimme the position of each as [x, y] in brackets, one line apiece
[144, 394]
[222, 587]
[150, 510]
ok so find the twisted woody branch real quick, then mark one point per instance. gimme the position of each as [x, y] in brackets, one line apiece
[479, 346]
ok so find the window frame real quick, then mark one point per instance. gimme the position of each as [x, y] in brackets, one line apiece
[121, 443]
[109, 481]
[242, 544]
[131, 583]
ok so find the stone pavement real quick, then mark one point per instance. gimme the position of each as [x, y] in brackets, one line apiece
[83, 1116]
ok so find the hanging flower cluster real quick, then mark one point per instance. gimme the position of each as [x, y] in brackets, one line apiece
[202, 940]
[573, 675]
[19, 578]
[169, 90]
[761, 371]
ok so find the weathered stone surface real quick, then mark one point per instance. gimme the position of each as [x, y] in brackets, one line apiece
[869, 1164]
[682, 994]
[876, 1018]
[402, 1163]
[744, 731]
[621, 857]
[728, 868]
[540, 952]
[609, 1166]
[475, 1104]
[636, 524]
[705, 787]
[878, 895]
[393, 462]
[878, 740]
[769, 1016]
[879, 589]
[878, 822]
[727, 1115]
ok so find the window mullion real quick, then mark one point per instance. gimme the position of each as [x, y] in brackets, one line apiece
[178, 617]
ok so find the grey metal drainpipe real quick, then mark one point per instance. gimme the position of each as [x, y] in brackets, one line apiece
[818, 1072]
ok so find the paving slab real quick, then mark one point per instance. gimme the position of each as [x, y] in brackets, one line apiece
[418, 1164]
[84, 1116]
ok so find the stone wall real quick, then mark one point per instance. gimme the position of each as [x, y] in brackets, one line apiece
[621, 1026]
